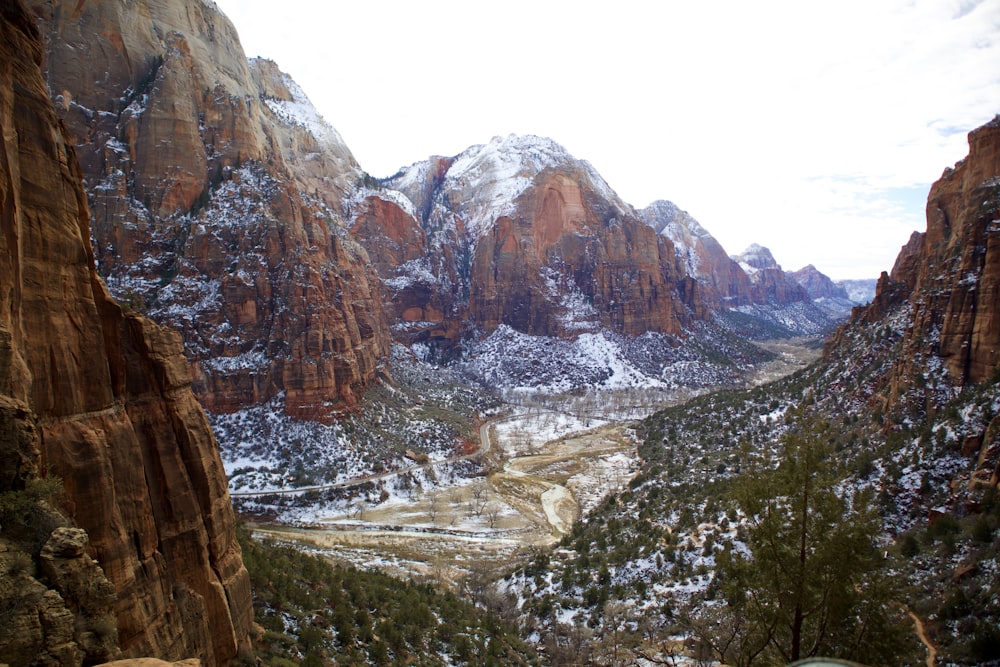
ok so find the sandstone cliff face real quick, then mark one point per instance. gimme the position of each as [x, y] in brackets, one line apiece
[102, 398]
[725, 284]
[947, 279]
[216, 194]
[520, 233]
[556, 265]
[415, 275]
[963, 240]
[770, 284]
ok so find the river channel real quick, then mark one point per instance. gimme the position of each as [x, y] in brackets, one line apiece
[544, 466]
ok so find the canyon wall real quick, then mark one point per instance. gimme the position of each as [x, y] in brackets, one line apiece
[518, 232]
[950, 273]
[216, 192]
[101, 398]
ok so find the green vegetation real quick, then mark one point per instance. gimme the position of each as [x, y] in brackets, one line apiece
[26, 515]
[315, 613]
[812, 582]
[706, 543]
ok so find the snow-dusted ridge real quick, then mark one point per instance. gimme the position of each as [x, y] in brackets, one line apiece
[299, 110]
[755, 258]
[492, 176]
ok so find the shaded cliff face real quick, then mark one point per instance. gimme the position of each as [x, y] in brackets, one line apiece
[102, 398]
[216, 195]
[817, 284]
[769, 282]
[417, 277]
[962, 245]
[948, 276]
[724, 282]
[520, 233]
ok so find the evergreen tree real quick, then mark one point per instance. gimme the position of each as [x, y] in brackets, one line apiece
[812, 583]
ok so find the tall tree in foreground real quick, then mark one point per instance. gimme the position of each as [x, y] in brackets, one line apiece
[811, 581]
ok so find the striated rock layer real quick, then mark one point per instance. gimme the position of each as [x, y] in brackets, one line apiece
[104, 396]
[950, 274]
[519, 233]
[725, 283]
[216, 193]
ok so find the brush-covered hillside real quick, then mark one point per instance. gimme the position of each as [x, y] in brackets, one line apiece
[849, 510]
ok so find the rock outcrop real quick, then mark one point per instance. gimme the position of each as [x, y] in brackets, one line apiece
[770, 283]
[724, 282]
[950, 273]
[962, 243]
[416, 276]
[101, 398]
[216, 192]
[519, 233]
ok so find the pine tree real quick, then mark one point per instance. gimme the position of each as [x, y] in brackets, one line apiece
[812, 583]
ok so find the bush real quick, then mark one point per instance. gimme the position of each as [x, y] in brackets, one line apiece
[24, 515]
[20, 563]
[909, 546]
[982, 532]
[985, 644]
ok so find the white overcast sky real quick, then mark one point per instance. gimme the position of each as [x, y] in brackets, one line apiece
[813, 128]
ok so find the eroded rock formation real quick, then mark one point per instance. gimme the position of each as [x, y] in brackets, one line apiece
[724, 283]
[950, 273]
[519, 233]
[216, 193]
[102, 398]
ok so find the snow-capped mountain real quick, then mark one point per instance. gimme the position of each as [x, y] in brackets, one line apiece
[726, 283]
[826, 294]
[482, 184]
[518, 232]
[225, 206]
[770, 283]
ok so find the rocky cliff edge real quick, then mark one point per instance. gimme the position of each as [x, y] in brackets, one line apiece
[102, 399]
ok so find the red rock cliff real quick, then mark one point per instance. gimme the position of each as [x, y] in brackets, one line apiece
[216, 194]
[950, 274]
[520, 233]
[554, 264]
[110, 392]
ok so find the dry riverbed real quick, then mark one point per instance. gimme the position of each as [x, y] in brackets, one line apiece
[544, 467]
[532, 496]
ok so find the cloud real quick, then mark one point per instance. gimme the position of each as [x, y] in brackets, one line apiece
[774, 121]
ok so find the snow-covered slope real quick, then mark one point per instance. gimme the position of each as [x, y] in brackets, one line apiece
[518, 232]
[725, 283]
[482, 183]
[861, 292]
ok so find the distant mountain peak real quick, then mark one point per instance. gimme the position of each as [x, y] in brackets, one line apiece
[818, 284]
[756, 258]
[490, 177]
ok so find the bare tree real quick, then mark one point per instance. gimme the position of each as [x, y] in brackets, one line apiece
[492, 514]
[480, 496]
[569, 644]
[433, 507]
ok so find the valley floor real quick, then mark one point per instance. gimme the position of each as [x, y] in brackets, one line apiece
[547, 461]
